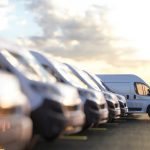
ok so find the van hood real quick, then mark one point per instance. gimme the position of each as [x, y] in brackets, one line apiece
[110, 97]
[121, 98]
[92, 95]
[62, 93]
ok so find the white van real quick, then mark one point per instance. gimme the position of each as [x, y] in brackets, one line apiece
[50, 101]
[133, 88]
[15, 124]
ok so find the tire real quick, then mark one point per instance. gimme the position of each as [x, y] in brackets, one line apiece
[86, 127]
[48, 120]
[148, 111]
[110, 120]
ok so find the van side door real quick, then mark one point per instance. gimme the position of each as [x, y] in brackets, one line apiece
[140, 97]
[127, 89]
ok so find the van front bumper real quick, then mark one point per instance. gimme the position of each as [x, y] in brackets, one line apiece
[75, 122]
[104, 116]
[114, 113]
[124, 109]
[15, 131]
[124, 112]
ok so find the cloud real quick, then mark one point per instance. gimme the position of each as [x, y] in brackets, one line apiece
[84, 36]
[23, 23]
[3, 3]
[78, 36]
[5, 14]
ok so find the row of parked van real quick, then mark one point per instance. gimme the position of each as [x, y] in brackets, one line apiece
[40, 95]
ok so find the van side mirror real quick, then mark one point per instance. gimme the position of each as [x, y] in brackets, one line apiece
[127, 96]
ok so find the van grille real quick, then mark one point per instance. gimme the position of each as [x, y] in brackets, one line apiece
[110, 105]
[125, 105]
[122, 105]
[102, 106]
[116, 105]
[71, 108]
[6, 111]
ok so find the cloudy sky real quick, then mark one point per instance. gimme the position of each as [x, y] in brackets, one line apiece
[102, 36]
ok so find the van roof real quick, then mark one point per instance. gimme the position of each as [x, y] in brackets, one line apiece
[120, 78]
[13, 48]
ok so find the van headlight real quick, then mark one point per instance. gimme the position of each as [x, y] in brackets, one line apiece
[121, 104]
[10, 110]
[107, 96]
[10, 104]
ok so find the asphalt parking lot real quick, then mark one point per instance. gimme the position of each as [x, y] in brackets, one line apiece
[132, 133]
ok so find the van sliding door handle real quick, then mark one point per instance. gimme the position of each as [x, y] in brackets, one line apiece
[134, 96]
[127, 96]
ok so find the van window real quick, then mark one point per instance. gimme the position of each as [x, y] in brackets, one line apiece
[67, 73]
[89, 80]
[21, 64]
[141, 89]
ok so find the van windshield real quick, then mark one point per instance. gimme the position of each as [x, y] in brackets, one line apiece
[28, 65]
[70, 76]
[100, 83]
[88, 79]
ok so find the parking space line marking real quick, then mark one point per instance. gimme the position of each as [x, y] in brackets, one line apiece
[74, 137]
[98, 129]
[121, 120]
[112, 123]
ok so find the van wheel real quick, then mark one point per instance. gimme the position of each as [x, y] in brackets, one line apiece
[110, 119]
[148, 111]
[86, 126]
